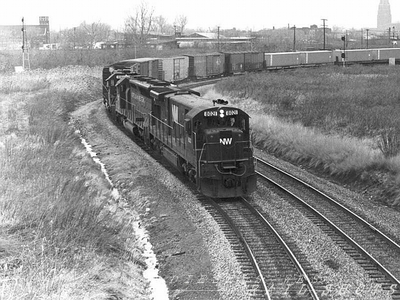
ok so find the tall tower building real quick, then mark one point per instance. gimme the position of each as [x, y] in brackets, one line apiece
[45, 27]
[384, 14]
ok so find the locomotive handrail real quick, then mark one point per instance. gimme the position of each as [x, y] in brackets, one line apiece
[177, 134]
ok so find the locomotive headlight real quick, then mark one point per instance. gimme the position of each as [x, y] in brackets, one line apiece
[221, 113]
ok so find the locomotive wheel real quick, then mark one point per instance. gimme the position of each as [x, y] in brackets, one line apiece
[136, 132]
[118, 119]
[157, 146]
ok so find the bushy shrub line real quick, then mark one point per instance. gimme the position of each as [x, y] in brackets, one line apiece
[359, 101]
[49, 59]
[341, 157]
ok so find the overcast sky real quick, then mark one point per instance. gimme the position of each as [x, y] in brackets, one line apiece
[242, 14]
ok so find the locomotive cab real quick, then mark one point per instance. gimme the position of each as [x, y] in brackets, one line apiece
[225, 158]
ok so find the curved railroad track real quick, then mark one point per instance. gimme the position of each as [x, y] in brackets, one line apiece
[270, 266]
[373, 250]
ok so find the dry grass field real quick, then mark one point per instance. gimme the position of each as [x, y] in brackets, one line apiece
[59, 237]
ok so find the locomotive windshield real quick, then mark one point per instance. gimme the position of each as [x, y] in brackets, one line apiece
[227, 121]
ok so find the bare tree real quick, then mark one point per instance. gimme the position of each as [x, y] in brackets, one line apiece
[137, 27]
[85, 35]
[160, 24]
[96, 32]
[181, 21]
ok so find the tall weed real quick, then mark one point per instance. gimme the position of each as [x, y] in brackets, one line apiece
[55, 225]
[358, 101]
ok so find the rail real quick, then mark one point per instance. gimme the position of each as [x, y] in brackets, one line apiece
[264, 248]
[386, 269]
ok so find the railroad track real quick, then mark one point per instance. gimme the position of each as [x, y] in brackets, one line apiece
[373, 250]
[269, 265]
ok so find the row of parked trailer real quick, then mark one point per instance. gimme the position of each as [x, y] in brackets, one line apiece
[206, 65]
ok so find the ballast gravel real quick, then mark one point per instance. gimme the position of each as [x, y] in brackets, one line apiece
[381, 216]
[344, 277]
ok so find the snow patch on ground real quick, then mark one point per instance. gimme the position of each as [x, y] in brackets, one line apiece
[158, 287]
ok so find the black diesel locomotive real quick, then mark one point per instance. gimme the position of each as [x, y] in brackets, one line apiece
[208, 141]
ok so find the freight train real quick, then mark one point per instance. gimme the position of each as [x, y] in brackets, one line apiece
[217, 64]
[207, 140]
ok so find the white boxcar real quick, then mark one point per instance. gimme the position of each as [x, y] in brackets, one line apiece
[282, 59]
[387, 53]
[354, 55]
[316, 57]
[175, 68]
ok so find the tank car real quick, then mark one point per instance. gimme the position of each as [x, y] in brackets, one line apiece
[207, 140]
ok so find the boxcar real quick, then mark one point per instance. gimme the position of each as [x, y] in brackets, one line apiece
[206, 65]
[239, 62]
[174, 69]
[282, 59]
[354, 55]
[316, 57]
[387, 53]
[146, 66]
[253, 61]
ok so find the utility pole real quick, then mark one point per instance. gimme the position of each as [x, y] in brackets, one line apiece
[25, 48]
[324, 26]
[344, 49]
[367, 37]
[74, 38]
[218, 40]
[294, 38]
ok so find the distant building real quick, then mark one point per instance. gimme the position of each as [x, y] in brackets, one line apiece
[384, 15]
[37, 35]
[210, 39]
